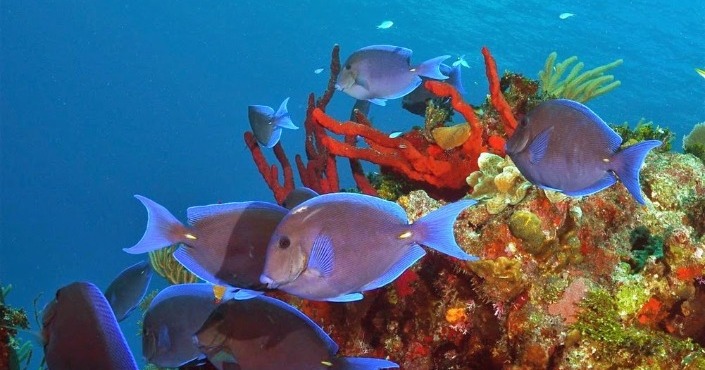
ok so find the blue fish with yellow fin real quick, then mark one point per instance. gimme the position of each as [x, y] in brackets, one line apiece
[562, 145]
[335, 246]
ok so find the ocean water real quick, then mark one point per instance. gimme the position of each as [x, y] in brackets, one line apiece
[103, 100]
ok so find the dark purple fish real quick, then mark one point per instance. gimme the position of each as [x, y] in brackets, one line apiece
[267, 124]
[298, 196]
[562, 145]
[380, 72]
[171, 320]
[127, 290]
[80, 332]
[264, 333]
[416, 101]
[225, 244]
[335, 246]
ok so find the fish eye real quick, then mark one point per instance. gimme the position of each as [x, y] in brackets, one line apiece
[347, 66]
[284, 242]
[524, 122]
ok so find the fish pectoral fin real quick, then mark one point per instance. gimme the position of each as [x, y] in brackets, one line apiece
[538, 147]
[346, 297]
[321, 258]
[407, 260]
[608, 180]
[184, 257]
[362, 82]
[381, 102]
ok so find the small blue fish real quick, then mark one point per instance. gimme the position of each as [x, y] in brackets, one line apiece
[129, 287]
[335, 246]
[380, 72]
[461, 62]
[267, 125]
[385, 25]
[80, 332]
[416, 101]
[172, 318]
[225, 244]
[318, 70]
[264, 333]
[562, 145]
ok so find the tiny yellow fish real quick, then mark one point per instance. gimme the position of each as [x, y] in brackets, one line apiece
[219, 292]
[701, 72]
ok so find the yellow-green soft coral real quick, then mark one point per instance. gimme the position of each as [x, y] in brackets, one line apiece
[576, 86]
[164, 263]
[498, 181]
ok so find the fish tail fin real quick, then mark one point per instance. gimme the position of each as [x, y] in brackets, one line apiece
[435, 230]
[282, 118]
[163, 229]
[628, 164]
[455, 80]
[361, 363]
[432, 68]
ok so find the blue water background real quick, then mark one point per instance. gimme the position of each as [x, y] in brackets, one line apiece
[101, 100]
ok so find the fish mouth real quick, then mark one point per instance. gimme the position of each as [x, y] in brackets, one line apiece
[266, 280]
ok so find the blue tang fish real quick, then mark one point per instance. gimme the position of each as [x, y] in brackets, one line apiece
[80, 332]
[225, 244]
[562, 145]
[335, 246]
[267, 124]
[264, 333]
[380, 72]
[172, 318]
[416, 101]
[129, 287]
[298, 196]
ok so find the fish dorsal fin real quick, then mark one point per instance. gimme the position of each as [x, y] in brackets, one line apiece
[260, 116]
[407, 260]
[330, 344]
[200, 213]
[613, 139]
[404, 52]
[321, 258]
[350, 297]
[538, 147]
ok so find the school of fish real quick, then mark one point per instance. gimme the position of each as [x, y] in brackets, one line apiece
[329, 247]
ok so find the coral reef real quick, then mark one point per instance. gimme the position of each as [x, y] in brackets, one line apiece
[164, 263]
[591, 282]
[694, 142]
[414, 156]
[497, 181]
[14, 354]
[576, 86]
[644, 130]
[554, 287]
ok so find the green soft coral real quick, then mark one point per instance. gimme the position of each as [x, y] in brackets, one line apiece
[576, 86]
